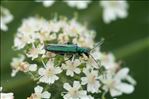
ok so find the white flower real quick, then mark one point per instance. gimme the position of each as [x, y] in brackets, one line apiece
[74, 92]
[34, 52]
[6, 17]
[91, 80]
[113, 10]
[33, 67]
[71, 67]
[108, 61]
[6, 95]
[114, 84]
[48, 74]
[46, 3]
[39, 93]
[27, 33]
[18, 64]
[90, 62]
[78, 4]
[93, 61]
[46, 36]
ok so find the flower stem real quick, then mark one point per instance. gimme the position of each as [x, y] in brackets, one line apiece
[132, 48]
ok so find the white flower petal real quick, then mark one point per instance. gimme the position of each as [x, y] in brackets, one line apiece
[69, 73]
[125, 88]
[77, 71]
[46, 94]
[38, 89]
[33, 67]
[58, 70]
[6, 96]
[44, 79]
[131, 80]
[13, 73]
[48, 3]
[67, 86]
[84, 80]
[76, 84]
[115, 92]
[122, 73]
[41, 71]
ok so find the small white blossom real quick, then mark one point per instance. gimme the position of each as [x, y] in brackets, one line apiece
[115, 85]
[18, 64]
[6, 17]
[74, 92]
[40, 94]
[113, 10]
[71, 67]
[49, 73]
[35, 51]
[26, 34]
[108, 61]
[78, 4]
[46, 3]
[33, 67]
[6, 95]
[91, 80]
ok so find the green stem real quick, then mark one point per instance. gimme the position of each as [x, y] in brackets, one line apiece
[132, 48]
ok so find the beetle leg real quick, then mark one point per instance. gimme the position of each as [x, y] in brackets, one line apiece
[68, 58]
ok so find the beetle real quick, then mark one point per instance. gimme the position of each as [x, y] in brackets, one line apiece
[67, 49]
[70, 48]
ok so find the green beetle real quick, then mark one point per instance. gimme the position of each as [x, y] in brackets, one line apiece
[67, 49]
[70, 48]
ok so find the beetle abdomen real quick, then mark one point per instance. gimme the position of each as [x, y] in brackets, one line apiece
[61, 48]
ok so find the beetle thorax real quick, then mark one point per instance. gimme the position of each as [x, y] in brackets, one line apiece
[82, 50]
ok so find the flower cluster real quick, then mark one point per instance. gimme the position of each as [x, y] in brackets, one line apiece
[111, 9]
[78, 76]
[6, 17]
[5, 95]
[78, 4]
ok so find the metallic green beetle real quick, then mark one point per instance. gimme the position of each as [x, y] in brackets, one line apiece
[67, 49]
[70, 48]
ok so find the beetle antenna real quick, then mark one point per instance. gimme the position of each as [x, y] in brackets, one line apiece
[98, 44]
[101, 67]
[95, 61]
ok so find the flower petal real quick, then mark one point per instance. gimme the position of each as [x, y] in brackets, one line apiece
[122, 73]
[125, 88]
[38, 89]
[41, 71]
[46, 94]
[114, 92]
[33, 67]
[76, 84]
[67, 86]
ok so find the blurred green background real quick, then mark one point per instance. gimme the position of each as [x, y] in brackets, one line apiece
[127, 38]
